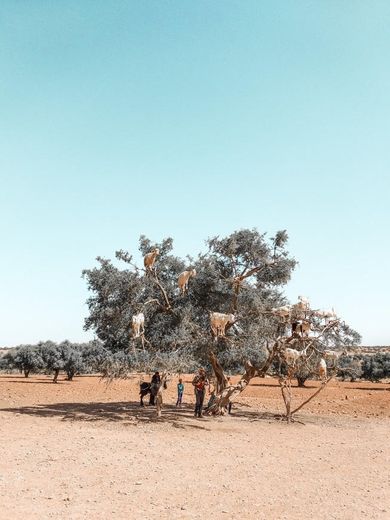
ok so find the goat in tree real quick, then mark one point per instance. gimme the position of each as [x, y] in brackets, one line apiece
[150, 259]
[291, 355]
[183, 280]
[138, 324]
[326, 315]
[282, 312]
[334, 356]
[301, 327]
[219, 321]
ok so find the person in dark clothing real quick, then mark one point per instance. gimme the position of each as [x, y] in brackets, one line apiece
[154, 386]
[229, 406]
[199, 382]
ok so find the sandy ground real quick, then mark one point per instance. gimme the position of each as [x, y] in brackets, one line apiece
[85, 450]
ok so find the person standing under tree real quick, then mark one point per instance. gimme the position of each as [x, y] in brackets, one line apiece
[180, 391]
[154, 386]
[229, 406]
[199, 382]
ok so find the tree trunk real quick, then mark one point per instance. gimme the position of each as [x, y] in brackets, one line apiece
[285, 386]
[26, 372]
[70, 376]
[222, 380]
[229, 393]
[301, 381]
[56, 372]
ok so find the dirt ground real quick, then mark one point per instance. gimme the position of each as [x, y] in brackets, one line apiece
[86, 450]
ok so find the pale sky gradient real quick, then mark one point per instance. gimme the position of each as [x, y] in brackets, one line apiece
[190, 119]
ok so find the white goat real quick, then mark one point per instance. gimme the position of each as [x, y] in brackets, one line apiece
[282, 312]
[184, 279]
[137, 324]
[300, 309]
[219, 321]
[291, 355]
[334, 355]
[326, 315]
[304, 301]
[322, 369]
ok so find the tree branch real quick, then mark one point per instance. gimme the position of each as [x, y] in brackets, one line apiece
[222, 381]
[323, 385]
[168, 306]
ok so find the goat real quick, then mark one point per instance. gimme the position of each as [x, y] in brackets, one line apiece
[300, 309]
[300, 327]
[219, 321]
[334, 355]
[322, 369]
[184, 279]
[282, 312]
[291, 355]
[144, 390]
[304, 301]
[150, 259]
[137, 324]
[326, 315]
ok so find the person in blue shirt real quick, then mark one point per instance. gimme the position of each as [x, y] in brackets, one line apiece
[180, 391]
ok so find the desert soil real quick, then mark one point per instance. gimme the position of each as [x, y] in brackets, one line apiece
[86, 450]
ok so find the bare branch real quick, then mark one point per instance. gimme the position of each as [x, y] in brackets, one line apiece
[323, 385]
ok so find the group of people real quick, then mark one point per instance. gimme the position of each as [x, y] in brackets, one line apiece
[200, 383]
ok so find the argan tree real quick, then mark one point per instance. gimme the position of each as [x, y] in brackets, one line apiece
[28, 359]
[242, 274]
[65, 356]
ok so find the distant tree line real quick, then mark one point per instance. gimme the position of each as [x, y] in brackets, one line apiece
[48, 357]
[371, 367]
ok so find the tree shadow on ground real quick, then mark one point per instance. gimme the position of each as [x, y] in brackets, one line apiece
[368, 388]
[277, 387]
[35, 381]
[131, 413]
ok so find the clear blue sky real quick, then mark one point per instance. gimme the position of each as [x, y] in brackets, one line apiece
[190, 119]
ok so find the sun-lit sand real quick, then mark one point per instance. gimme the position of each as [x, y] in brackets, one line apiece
[85, 450]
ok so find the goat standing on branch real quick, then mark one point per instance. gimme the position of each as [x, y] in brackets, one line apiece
[183, 280]
[138, 324]
[150, 259]
[219, 322]
[301, 328]
[334, 356]
[326, 315]
[301, 308]
[282, 312]
[292, 356]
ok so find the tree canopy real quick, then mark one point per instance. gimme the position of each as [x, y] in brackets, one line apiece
[243, 274]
